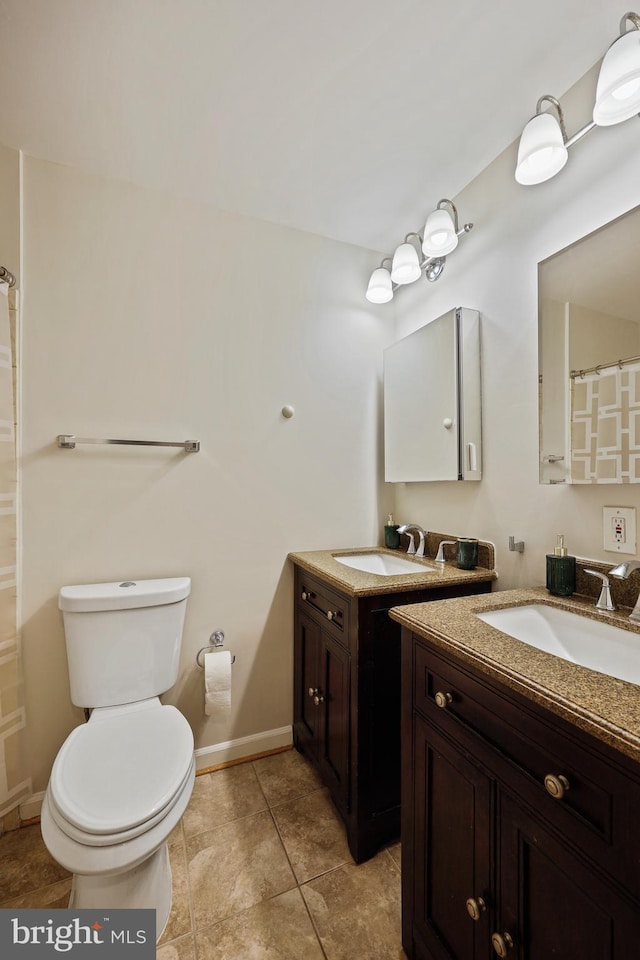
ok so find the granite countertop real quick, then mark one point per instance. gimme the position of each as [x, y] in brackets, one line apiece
[356, 583]
[603, 706]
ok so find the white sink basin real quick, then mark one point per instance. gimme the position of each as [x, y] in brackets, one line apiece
[591, 643]
[383, 564]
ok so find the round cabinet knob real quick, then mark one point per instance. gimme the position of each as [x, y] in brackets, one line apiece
[305, 595]
[443, 699]
[501, 943]
[330, 615]
[313, 691]
[447, 423]
[318, 699]
[333, 614]
[476, 907]
[556, 786]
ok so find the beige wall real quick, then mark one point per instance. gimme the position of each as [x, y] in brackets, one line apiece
[154, 318]
[10, 209]
[495, 270]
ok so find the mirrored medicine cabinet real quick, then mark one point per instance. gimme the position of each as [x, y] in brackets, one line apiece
[432, 401]
[589, 357]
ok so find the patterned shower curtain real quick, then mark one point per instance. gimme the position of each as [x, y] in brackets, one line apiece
[15, 784]
[605, 425]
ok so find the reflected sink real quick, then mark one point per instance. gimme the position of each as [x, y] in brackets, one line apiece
[383, 564]
[591, 643]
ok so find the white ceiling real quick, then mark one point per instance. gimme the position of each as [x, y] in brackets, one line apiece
[346, 118]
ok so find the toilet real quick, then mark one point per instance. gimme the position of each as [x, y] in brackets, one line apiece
[121, 781]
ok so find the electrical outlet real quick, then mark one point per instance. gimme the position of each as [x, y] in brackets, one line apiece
[619, 526]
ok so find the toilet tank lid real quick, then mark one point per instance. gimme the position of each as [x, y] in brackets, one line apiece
[123, 595]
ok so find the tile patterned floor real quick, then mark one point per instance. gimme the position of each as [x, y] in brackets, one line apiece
[261, 871]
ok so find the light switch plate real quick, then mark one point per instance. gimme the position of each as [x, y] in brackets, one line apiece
[619, 527]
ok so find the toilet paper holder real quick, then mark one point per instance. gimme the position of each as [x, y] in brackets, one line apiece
[215, 640]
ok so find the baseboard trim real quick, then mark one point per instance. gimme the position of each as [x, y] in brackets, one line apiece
[31, 807]
[244, 748]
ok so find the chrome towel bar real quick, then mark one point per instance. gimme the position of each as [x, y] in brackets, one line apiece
[67, 441]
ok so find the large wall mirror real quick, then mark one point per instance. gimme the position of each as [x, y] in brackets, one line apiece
[589, 357]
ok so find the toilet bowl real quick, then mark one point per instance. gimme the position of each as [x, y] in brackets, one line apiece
[121, 782]
[119, 786]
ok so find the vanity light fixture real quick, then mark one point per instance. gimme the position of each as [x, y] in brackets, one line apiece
[440, 231]
[380, 289]
[407, 265]
[618, 89]
[544, 146]
[542, 151]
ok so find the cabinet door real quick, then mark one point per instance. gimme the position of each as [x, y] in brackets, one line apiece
[452, 849]
[333, 734]
[551, 904]
[307, 656]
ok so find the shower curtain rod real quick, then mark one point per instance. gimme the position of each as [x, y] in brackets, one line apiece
[603, 366]
[7, 277]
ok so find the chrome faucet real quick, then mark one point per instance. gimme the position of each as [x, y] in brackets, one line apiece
[622, 572]
[604, 601]
[405, 528]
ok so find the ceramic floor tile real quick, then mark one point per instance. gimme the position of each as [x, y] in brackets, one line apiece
[395, 851]
[222, 796]
[358, 905]
[55, 896]
[286, 776]
[26, 863]
[313, 834]
[183, 949]
[236, 866]
[277, 929]
[179, 922]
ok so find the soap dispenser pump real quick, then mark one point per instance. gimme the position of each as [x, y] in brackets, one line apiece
[561, 570]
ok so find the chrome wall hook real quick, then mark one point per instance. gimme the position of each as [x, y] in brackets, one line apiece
[516, 545]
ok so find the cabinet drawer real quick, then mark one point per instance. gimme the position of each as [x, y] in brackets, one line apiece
[552, 767]
[331, 609]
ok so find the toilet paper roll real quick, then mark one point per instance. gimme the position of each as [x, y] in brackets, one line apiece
[217, 682]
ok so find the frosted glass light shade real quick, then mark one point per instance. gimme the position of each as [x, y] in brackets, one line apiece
[379, 289]
[542, 152]
[406, 266]
[439, 234]
[618, 89]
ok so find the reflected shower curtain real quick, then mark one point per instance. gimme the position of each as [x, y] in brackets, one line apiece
[605, 425]
[15, 784]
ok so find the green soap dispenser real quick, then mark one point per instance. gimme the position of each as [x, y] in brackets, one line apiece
[391, 535]
[561, 570]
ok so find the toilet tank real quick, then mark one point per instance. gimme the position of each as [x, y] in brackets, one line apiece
[123, 639]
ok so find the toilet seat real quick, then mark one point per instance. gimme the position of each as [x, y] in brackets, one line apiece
[120, 773]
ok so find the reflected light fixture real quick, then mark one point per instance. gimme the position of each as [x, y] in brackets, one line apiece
[618, 89]
[544, 147]
[407, 265]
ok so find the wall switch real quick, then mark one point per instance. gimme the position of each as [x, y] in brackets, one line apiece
[619, 525]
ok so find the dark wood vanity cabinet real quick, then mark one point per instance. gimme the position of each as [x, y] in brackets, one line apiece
[520, 833]
[347, 700]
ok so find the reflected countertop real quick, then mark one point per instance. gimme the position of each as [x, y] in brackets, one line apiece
[357, 583]
[603, 706]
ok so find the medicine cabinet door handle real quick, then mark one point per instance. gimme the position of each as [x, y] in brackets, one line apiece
[556, 786]
[476, 907]
[443, 699]
[501, 943]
